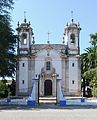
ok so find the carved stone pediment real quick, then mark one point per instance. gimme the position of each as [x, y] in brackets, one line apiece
[47, 47]
[47, 74]
[48, 59]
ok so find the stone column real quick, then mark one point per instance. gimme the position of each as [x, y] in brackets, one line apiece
[36, 91]
[54, 87]
[63, 83]
[58, 90]
[17, 78]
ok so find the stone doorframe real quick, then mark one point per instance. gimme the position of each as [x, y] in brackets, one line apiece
[47, 75]
[42, 84]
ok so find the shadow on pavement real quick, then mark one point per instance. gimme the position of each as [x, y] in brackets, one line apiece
[46, 106]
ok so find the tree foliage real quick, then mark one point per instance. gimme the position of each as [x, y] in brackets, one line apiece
[89, 61]
[6, 5]
[12, 87]
[3, 89]
[7, 41]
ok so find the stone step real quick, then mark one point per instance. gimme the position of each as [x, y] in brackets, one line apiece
[47, 100]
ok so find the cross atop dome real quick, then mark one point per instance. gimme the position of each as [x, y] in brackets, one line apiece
[72, 15]
[25, 16]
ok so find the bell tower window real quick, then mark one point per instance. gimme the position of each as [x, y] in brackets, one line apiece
[72, 37]
[24, 39]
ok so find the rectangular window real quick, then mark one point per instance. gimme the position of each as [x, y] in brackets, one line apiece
[23, 81]
[72, 64]
[23, 64]
[72, 81]
[48, 65]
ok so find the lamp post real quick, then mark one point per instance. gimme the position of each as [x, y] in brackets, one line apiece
[38, 82]
[83, 90]
[84, 87]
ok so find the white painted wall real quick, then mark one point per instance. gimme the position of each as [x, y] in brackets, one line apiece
[23, 75]
[73, 75]
[55, 59]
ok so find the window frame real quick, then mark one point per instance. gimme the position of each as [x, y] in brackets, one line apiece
[48, 65]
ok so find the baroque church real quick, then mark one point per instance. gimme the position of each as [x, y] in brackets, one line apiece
[48, 64]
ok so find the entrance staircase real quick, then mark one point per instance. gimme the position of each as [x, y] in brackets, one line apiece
[47, 100]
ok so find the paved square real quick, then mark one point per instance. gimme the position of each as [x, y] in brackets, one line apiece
[66, 113]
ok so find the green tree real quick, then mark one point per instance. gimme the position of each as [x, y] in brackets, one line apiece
[3, 89]
[12, 87]
[7, 41]
[89, 61]
[6, 5]
[7, 48]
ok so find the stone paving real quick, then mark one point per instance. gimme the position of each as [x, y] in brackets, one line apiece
[48, 112]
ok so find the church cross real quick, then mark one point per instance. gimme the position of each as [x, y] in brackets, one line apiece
[24, 14]
[72, 15]
[48, 35]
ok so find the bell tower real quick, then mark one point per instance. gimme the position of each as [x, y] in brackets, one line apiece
[25, 34]
[24, 62]
[71, 35]
[72, 62]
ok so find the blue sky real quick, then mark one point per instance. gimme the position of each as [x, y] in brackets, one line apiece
[53, 15]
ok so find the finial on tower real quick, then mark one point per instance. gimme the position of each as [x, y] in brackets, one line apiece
[63, 40]
[25, 16]
[18, 24]
[33, 40]
[29, 23]
[78, 24]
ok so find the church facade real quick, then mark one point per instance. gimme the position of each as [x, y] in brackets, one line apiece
[48, 63]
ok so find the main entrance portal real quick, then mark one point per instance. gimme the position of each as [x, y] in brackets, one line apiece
[48, 87]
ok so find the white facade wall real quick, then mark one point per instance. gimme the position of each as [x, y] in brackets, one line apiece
[39, 62]
[55, 60]
[73, 75]
[23, 75]
[63, 74]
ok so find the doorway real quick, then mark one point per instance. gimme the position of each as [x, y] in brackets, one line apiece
[47, 87]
